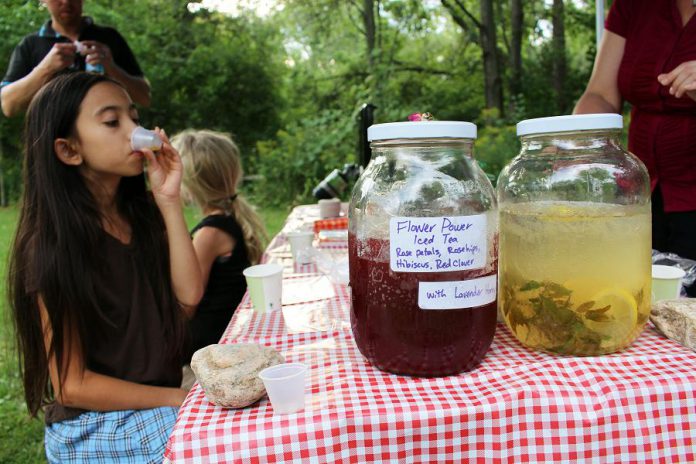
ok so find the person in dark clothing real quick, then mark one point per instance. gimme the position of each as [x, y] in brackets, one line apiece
[69, 42]
[102, 272]
[230, 237]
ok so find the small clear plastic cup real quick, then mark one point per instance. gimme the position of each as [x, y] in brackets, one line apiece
[666, 282]
[265, 285]
[285, 385]
[143, 138]
[301, 246]
[80, 48]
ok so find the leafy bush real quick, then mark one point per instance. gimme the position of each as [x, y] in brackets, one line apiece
[495, 147]
[292, 164]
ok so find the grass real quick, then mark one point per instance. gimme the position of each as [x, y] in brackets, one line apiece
[21, 438]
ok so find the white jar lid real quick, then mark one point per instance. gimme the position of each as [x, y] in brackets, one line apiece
[422, 130]
[570, 123]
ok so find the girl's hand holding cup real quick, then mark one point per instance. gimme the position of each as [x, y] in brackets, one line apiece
[164, 171]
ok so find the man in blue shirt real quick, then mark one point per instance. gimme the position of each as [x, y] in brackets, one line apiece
[53, 50]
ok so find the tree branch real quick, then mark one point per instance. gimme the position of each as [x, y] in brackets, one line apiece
[471, 17]
[419, 69]
[461, 21]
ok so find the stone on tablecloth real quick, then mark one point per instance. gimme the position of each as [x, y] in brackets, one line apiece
[229, 373]
[676, 319]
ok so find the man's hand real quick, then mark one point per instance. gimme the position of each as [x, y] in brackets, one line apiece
[98, 53]
[681, 80]
[61, 56]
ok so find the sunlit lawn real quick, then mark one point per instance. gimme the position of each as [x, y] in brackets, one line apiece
[21, 439]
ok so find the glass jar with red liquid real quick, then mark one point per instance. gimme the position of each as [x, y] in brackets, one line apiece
[423, 250]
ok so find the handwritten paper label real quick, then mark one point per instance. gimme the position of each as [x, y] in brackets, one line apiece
[457, 295]
[437, 244]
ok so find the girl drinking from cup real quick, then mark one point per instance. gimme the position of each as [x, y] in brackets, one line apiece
[100, 273]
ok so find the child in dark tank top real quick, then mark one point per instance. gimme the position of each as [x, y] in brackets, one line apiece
[231, 235]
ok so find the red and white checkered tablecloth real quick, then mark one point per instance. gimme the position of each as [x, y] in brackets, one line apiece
[635, 406]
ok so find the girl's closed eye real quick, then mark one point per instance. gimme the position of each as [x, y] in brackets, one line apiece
[112, 123]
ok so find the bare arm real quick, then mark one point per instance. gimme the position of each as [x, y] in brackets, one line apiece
[210, 243]
[85, 389]
[602, 92]
[184, 268]
[17, 95]
[165, 172]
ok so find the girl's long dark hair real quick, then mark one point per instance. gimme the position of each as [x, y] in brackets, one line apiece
[56, 250]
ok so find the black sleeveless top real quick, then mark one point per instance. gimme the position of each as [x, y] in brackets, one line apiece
[225, 289]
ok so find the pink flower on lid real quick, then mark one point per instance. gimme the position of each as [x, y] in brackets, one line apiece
[420, 117]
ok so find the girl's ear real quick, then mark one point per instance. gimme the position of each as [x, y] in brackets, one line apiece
[66, 152]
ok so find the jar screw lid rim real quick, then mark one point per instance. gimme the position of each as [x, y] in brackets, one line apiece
[422, 130]
[569, 123]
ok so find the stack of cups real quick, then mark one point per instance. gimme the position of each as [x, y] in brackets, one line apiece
[265, 284]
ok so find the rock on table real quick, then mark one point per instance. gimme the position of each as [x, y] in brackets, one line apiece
[229, 373]
[676, 319]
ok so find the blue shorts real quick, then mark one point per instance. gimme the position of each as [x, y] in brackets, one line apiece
[116, 436]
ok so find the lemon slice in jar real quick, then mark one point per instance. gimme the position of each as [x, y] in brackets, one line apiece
[614, 315]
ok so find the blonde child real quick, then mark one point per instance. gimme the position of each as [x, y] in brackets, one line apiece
[230, 237]
[99, 276]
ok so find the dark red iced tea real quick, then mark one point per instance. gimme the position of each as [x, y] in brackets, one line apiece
[395, 335]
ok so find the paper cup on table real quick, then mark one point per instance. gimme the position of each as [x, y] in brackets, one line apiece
[285, 385]
[666, 282]
[301, 246]
[265, 284]
[329, 208]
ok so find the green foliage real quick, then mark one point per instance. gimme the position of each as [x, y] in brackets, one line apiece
[17, 18]
[301, 156]
[207, 70]
[22, 437]
[495, 147]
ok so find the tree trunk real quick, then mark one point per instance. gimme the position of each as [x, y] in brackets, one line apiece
[368, 14]
[486, 39]
[491, 65]
[517, 24]
[560, 68]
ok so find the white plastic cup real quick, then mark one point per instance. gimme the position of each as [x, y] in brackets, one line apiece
[301, 246]
[265, 285]
[666, 282]
[285, 385]
[143, 138]
[329, 208]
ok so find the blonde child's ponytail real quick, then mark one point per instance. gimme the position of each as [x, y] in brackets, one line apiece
[212, 173]
[253, 229]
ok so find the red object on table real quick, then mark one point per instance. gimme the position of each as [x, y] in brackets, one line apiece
[331, 224]
[518, 405]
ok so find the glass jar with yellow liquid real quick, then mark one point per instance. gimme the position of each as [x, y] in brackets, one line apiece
[575, 237]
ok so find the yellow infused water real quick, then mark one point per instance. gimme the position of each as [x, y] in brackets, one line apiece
[575, 276]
